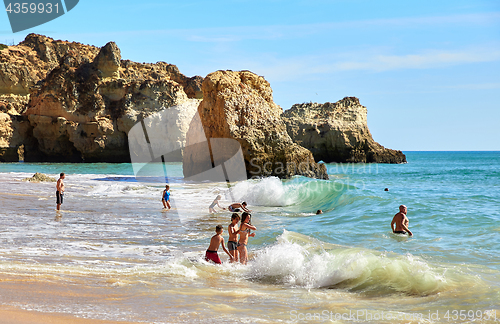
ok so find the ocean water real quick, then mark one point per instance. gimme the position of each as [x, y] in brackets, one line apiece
[113, 253]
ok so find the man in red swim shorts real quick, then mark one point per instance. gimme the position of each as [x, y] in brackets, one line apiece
[215, 242]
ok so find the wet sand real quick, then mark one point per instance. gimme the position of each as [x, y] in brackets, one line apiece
[12, 315]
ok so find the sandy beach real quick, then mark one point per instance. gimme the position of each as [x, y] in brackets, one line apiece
[12, 315]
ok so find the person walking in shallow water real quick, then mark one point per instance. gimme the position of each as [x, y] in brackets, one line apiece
[60, 190]
[401, 222]
[165, 198]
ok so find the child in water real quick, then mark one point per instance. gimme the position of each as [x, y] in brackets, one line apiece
[166, 197]
[215, 242]
[244, 234]
[215, 203]
[232, 243]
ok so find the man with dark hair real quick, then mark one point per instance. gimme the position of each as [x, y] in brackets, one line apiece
[60, 190]
[215, 242]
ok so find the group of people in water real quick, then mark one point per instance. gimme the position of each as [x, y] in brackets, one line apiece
[237, 248]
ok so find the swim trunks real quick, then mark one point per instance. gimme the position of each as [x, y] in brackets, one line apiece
[399, 232]
[242, 244]
[233, 210]
[212, 256]
[232, 245]
[59, 198]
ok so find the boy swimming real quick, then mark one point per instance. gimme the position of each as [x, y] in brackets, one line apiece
[235, 207]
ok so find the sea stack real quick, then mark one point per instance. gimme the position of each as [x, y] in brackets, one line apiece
[337, 132]
[240, 106]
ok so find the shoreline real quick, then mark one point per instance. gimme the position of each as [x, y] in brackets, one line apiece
[14, 315]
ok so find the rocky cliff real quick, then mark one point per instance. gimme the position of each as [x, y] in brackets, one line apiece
[239, 106]
[337, 132]
[65, 101]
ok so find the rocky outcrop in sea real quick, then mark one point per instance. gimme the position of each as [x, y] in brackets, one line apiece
[337, 132]
[240, 106]
[65, 101]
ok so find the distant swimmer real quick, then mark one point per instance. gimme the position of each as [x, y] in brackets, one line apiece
[60, 190]
[319, 211]
[166, 197]
[215, 203]
[401, 222]
[215, 242]
[386, 189]
[235, 208]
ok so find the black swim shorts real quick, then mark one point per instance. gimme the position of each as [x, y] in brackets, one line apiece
[59, 198]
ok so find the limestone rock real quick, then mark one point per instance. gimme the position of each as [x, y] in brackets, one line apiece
[40, 177]
[108, 61]
[239, 106]
[337, 132]
[65, 101]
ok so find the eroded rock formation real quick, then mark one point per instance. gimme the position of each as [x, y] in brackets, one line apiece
[65, 101]
[337, 132]
[239, 106]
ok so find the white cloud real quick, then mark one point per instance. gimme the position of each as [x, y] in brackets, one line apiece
[425, 60]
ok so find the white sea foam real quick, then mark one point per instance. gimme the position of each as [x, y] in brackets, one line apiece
[299, 261]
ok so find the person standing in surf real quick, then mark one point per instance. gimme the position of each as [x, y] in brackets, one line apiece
[244, 232]
[215, 242]
[166, 197]
[401, 222]
[232, 243]
[60, 190]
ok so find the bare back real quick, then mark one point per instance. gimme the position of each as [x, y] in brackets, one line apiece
[215, 242]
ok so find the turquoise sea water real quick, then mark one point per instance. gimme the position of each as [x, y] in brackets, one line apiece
[112, 253]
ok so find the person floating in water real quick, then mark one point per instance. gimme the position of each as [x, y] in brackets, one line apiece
[215, 203]
[166, 197]
[215, 242]
[319, 211]
[401, 222]
[235, 207]
[60, 190]
[244, 232]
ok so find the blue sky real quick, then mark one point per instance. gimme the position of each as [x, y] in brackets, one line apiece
[428, 71]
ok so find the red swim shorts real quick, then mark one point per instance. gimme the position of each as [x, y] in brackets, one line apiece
[212, 256]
